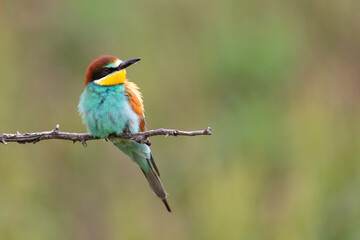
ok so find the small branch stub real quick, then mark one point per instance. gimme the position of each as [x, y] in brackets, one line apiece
[3, 139]
[140, 137]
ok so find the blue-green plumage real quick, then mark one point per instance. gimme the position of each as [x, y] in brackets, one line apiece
[112, 105]
[106, 110]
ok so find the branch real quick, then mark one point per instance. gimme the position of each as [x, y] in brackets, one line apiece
[141, 137]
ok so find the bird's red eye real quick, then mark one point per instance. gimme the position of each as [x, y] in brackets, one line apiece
[106, 70]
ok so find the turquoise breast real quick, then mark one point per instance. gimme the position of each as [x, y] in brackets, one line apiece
[106, 110]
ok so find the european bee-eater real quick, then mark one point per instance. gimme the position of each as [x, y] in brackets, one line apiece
[111, 104]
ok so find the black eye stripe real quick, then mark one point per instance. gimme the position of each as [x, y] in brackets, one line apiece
[101, 73]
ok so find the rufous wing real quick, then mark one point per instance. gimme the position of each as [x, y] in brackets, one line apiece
[136, 102]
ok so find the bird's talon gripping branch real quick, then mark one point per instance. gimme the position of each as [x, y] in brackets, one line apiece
[83, 141]
[176, 132]
[147, 142]
[126, 135]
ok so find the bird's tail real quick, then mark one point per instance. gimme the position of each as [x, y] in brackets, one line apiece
[152, 176]
[141, 154]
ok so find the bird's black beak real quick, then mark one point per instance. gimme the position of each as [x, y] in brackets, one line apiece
[127, 63]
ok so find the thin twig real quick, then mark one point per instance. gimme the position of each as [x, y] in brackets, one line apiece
[141, 137]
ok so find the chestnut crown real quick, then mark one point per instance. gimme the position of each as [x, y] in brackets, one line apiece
[108, 70]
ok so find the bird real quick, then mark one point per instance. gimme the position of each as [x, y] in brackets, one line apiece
[111, 105]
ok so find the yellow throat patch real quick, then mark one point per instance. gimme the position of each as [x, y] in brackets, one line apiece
[114, 78]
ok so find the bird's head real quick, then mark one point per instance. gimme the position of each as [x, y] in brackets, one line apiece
[108, 71]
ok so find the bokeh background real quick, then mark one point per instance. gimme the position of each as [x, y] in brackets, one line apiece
[278, 82]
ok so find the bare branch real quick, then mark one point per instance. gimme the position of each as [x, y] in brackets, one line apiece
[141, 137]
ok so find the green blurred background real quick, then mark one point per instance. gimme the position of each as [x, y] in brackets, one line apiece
[278, 82]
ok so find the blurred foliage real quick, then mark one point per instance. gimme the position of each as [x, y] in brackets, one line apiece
[278, 82]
